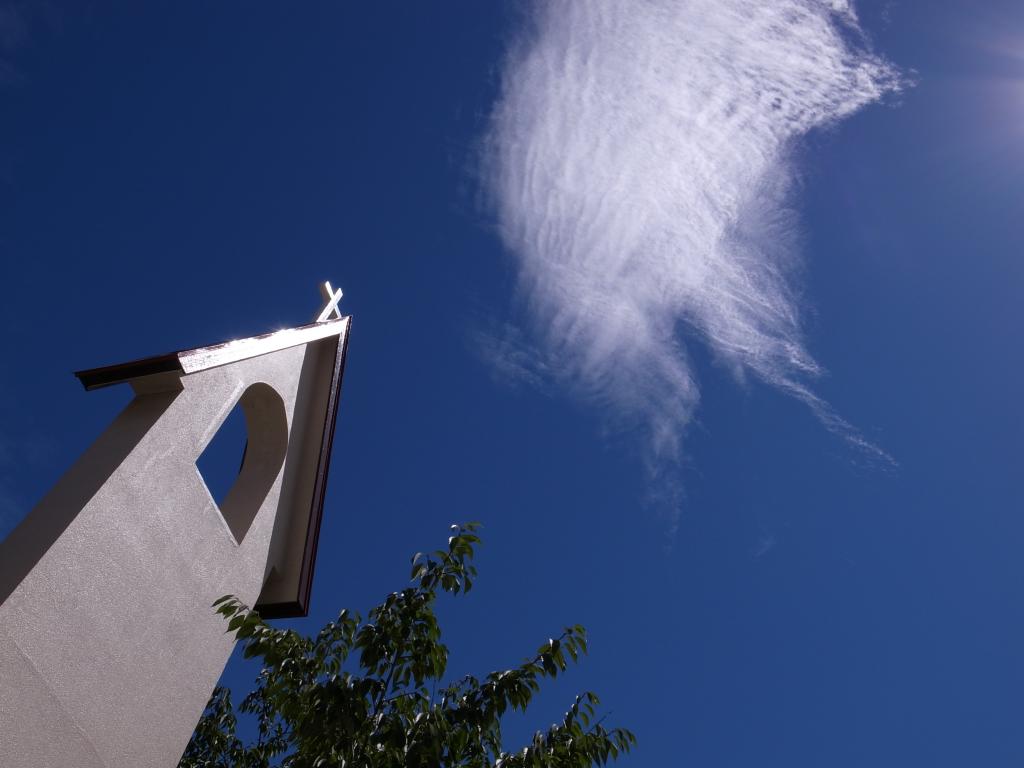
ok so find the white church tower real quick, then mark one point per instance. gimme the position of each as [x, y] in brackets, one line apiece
[109, 647]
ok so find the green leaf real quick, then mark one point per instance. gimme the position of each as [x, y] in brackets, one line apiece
[369, 693]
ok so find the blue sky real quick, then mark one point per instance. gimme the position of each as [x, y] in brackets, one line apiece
[630, 412]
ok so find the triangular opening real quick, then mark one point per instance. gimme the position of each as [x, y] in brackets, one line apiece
[242, 461]
[222, 460]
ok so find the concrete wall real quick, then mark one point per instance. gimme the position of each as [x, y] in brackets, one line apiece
[109, 648]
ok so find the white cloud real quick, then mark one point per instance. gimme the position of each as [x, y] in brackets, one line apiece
[640, 161]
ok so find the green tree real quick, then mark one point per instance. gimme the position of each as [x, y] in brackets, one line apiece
[368, 694]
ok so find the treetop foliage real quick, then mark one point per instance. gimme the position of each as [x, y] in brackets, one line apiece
[368, 693]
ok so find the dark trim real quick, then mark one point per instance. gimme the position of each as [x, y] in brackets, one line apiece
[300, 607]
[292, 610]
[94, 378]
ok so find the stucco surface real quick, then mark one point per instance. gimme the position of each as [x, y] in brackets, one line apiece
[109, 648]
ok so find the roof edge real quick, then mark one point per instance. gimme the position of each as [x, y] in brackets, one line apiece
[201, 358]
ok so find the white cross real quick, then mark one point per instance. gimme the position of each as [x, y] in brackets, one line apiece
[332, 298]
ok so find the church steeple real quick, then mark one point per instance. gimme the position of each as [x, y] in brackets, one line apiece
[106, 586]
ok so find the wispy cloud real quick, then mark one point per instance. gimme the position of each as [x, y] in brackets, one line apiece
[511, 357]
[765, 544]
[641, 164]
